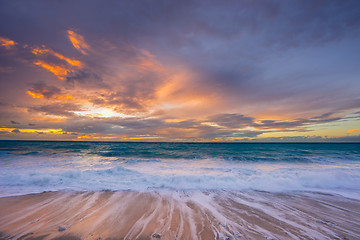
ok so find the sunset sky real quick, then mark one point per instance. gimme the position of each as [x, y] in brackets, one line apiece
[180, 70]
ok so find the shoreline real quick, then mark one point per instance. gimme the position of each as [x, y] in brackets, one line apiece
[179, 215]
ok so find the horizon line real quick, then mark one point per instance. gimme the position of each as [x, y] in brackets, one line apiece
[174, 142]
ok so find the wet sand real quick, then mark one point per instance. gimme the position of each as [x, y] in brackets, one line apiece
[179, 215]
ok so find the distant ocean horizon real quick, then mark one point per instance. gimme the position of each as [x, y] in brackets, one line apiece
[180, 142]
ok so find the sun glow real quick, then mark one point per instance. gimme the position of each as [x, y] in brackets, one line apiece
[100, 112]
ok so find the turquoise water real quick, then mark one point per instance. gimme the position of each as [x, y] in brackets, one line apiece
[30, 166]
[227, 151]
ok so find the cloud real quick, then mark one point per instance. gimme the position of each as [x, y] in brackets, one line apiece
[305, 139]
[232, 120]
[86, 77]
[57, 109]
[295, 123]
[352, 130]
[134, 85]
[6, 70]
[41, 90]
[14, 122]
[44, 57]
[31, 130]
[198, 70]
[46, 51]
[7, 43]
[78, 42]
[235, 121]
[58, 70]
[55, 62]
[91, 137]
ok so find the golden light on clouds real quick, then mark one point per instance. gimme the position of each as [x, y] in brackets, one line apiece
[193, 101]
[48, 119]
[211, 124]
[59, 71]
[128, 87]
[142, 137]
[99, 112]
[40, 51]
[31, 130]
[40, 95]
[89, 137]
[6, 43]
[78, 41]
[35, 95]
[147, 61]
[174, 120]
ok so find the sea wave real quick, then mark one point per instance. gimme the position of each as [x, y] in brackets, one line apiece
[28, 173]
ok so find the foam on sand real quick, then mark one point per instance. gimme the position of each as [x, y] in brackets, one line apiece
[180, 215]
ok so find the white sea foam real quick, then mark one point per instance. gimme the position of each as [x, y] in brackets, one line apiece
[31, 174]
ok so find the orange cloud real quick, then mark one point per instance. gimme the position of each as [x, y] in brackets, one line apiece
[78, 41]
[31, 130]
[39, 51]
[175, 120]
[139, 138]
[353, 130]
[148, 62]
[57, 70]
[35, 95]
[62, 97]
[92, 137]
[6, 43]
[40, 95]
[172, 95]
[47, 119]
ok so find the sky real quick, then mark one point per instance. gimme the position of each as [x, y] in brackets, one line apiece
[244, 70]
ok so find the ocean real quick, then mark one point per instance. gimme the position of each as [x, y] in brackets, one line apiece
[118, 190]
[38, 166]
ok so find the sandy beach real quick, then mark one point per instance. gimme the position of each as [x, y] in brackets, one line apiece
[179, 215]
